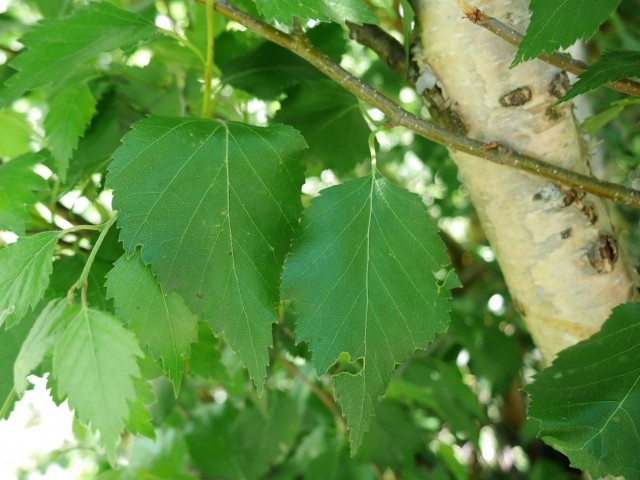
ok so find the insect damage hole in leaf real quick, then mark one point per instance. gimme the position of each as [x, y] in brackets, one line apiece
[361, 274]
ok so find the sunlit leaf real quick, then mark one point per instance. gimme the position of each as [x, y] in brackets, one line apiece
[94, 362]
[42, 337]
[56, 47]
[70, 111]
[17, 182]
[25, 267]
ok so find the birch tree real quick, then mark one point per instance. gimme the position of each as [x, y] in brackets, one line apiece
[234, 244]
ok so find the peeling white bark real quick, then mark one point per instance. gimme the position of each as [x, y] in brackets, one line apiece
[561, 262]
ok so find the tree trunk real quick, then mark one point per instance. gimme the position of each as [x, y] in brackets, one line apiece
[557, 249]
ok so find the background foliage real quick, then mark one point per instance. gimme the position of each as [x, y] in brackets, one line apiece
[169, 333]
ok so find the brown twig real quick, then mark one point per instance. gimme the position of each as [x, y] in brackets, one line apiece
[396, 116]
[560, 60]
[324, 398]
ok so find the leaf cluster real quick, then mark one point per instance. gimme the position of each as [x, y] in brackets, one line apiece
[275, 299]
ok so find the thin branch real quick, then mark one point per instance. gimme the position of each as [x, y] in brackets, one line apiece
[324, 398]
[560, 60]
[396, 116]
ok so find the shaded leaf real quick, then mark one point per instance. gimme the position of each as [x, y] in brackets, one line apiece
[439, 387]
[214, 205]
[70, 111]
[140, 420]
[588, 401]
[338, 11]
[556, 25]
[94, 361]
[66, 272]
[266, 70]
[17, 181]
[206, 360]
[361, 273]
[612, 66]
[56, 47]
[163, 323]
[330, 120]
[25, 267]
[229, 443]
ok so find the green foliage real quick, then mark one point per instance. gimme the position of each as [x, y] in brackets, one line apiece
[588, 400]
[556, 25]
[162, 322]
[70, 111]
[56, 48]
[17, 181]
[612, 66]
[330, 120]
[94, 361]
[16, 134]
[25, 267]
[267, 276]
[337, 11]
[226, 265]
[366, 252]
[42, 336]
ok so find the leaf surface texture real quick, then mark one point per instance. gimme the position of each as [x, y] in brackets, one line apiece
[214, 205]
[161, 322]
[588, 400]
[362, 276]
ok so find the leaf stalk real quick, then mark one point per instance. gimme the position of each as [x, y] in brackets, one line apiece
[208, 67]
[83, 281]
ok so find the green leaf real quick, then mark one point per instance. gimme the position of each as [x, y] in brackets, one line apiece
[362, 276]
[10, 343]
[227, 443]
[214, 206]
[267, 71]
[558, 24]
[56, 47]
[25, 267]
[40, 341]
[330, 120]
[66, 272]
[163, 323]
[94, 361]
[16, 134]
[595, 123]
[113, 120]
[206, 360]
[70, 111]
[338, 11]
[588, 401]
[140, 420]
[612, 66]
[17, 180]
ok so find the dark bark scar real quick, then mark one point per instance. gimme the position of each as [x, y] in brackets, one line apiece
[603, 253]
[516, 98]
